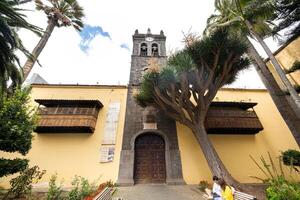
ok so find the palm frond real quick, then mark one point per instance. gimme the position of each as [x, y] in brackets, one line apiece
[64, 12]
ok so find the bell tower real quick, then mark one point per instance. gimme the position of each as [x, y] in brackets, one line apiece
[148, 50]
[146, 47]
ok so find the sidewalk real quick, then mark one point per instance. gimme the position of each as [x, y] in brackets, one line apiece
[159, 192]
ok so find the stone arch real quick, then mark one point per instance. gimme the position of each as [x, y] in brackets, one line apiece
[167, 150]
[143, 49]
[154, 49]
[150, 131]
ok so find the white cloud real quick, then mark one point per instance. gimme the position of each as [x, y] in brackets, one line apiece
[106, 62]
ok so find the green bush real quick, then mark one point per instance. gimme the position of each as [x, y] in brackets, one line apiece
[291, 157]
[278, 186]
[81, 188]
[203, 185]
[281, 189]
[17, 122]
[55, 192]
[22, 184]
[12, 166]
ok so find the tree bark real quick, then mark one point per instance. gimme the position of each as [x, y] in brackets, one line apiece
[214, 162]
[39, 48]
[276, 65]
[289, 113]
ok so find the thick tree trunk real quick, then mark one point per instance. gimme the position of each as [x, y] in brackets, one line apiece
[39, 48]
[290, 113]
[214, 162]
[276, 65]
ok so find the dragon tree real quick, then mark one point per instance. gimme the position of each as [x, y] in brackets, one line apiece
[186, 86]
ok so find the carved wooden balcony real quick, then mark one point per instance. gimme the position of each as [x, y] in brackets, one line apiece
[232, 118]
[67, 116]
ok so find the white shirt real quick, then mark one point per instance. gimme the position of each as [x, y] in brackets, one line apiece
[217, 190]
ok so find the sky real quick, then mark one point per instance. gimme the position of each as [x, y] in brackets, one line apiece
[101, 53]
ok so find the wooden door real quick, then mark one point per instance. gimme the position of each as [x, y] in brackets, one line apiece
[150, 164]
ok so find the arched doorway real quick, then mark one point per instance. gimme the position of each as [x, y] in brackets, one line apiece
[149, 162]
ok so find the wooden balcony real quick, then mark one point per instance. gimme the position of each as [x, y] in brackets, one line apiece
[66, 124]
[232, 118]
[68, 116]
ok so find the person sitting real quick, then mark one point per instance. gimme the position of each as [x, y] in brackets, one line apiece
[216, 192]
[216, 189]
[227, 193]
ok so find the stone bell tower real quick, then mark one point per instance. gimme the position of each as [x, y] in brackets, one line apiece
[157, 158]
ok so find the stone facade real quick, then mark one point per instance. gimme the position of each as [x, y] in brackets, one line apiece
[136, 116]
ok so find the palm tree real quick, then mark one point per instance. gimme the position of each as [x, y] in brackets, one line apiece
[60, 13]
[10, 20]
[185, 88]
[251, 17]
[226, 17]
[288, 13]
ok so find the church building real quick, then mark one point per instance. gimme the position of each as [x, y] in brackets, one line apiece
[99, 131]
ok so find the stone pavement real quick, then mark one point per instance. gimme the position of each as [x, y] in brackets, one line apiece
[159, 192]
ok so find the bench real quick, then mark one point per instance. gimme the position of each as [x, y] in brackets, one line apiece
[243, 196]
[106, 194]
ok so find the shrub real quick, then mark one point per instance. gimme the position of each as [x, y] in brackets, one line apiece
[17, 122]
[82, 188]
[291, 157]
[203, 185]
[279, 188]
[55, 192]
[12, 166]
[22, 184]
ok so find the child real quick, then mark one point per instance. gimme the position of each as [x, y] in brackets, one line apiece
[216, 190]
[226, 190]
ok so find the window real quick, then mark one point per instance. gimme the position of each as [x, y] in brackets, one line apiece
[111, 124]
[144, 49]
[154, 49]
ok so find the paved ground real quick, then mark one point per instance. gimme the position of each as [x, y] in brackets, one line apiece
[159, 192]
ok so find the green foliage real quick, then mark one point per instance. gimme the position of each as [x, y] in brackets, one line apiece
[21, 185]
[288, 14]
[17, 122]
[12, 166]
[203, 185]
[220, 42]
[81, 188]
[219, 54]
[10, 20]
[279, 187]
[147, 88]
[65, 12]
[181, 61]
[295, 67]
[235, 13]
[55, 192]
[291, 157]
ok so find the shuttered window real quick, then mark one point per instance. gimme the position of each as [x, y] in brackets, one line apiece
[111, 124]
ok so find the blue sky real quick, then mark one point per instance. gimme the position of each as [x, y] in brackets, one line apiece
[88, 33]
[101, 53]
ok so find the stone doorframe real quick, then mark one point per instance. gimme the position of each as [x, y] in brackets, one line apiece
[167, 147]
[127, 160]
